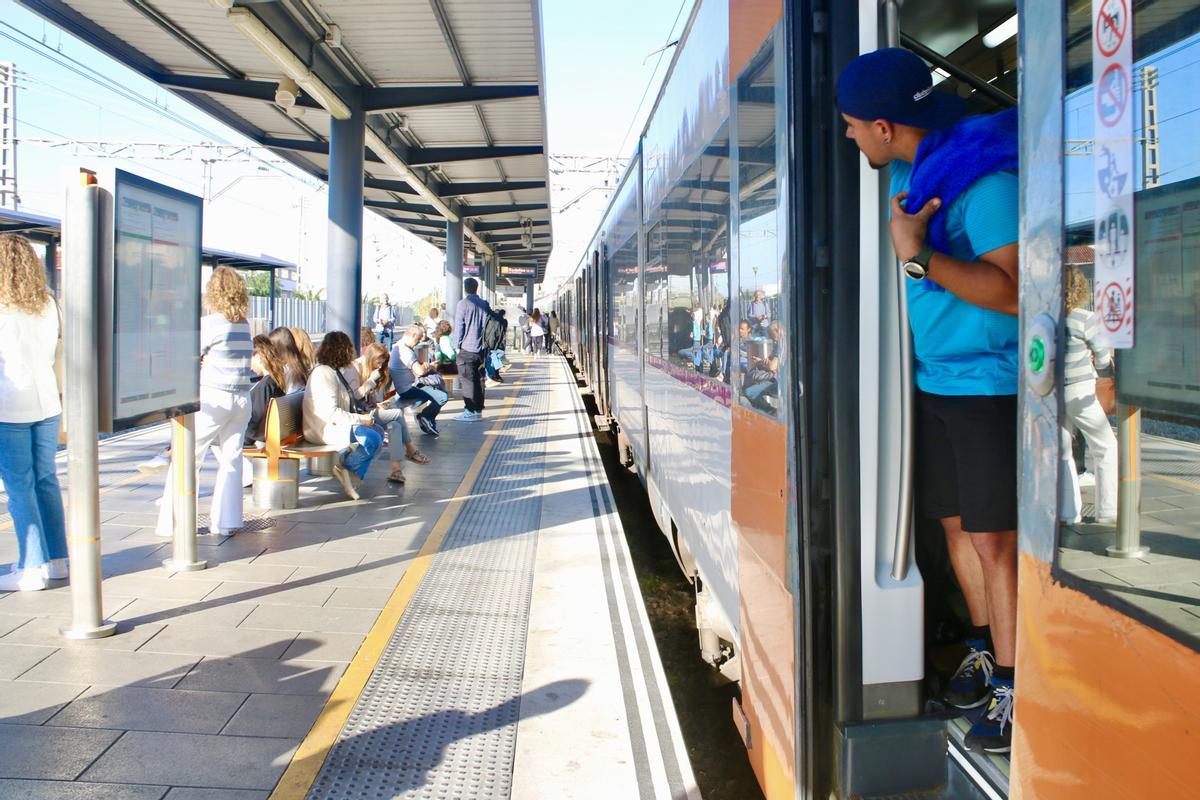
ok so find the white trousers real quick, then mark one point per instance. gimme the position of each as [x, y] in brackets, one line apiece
[220, 425]
[1085, 415]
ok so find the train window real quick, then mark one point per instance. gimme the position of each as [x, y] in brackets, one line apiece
[1131, 444]
[760, 310]
[656, 292]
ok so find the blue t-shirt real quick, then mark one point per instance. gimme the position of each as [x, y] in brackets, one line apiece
[960, 348]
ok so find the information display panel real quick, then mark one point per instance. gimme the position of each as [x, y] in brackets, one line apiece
[156, 302]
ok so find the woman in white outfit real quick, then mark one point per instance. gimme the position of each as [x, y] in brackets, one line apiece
[1084, 413]
[225, 353]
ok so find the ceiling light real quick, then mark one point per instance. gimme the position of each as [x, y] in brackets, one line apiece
[286, 93]
[1001, 33]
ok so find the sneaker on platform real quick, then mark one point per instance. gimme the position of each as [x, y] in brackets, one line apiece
[469, 416]
[992, 732]
[428, 426]
[969, 685]
[23, 580]
[158, 463]
[55, 569]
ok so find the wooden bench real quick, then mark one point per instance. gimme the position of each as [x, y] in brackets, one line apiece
[277, 462]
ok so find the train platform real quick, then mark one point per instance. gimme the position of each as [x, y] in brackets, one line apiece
[475, 633]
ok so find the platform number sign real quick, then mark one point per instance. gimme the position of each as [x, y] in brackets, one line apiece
[1112, 81]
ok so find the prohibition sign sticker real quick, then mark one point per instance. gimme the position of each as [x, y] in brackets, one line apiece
[1112, 95]
[1111, 24]
[1112, 311]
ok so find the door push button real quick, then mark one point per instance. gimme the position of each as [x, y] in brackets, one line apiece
[1040, 354]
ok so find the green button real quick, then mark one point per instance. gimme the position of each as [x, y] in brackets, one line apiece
[1037, 355]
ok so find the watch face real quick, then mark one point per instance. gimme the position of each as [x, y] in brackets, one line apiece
[914, 270]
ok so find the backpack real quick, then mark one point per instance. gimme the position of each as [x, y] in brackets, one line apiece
[493, 334]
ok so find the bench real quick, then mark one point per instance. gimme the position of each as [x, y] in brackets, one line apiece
[277, 463]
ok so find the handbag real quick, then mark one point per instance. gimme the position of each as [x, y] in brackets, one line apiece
[1106, 393]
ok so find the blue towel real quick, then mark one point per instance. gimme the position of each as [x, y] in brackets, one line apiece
[948, 162]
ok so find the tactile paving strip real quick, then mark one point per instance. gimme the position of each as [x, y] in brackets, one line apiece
[438, 717]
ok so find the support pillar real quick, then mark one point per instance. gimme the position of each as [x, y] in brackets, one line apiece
[490, 264]
[51, 262]
[454, 266]
[529, 295]
[343, 277]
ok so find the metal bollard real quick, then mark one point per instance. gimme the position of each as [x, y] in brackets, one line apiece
[183, 498]
[84, 247]
[1129, 491]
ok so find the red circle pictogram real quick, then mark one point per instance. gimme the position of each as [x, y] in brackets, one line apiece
[1111, 26]
[1112, 95]
[1112, 307]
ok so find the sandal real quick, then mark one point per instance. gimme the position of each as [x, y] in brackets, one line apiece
[396, 477]
[419, 457]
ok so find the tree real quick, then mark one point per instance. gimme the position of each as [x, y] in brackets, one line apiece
[308, 293]
[258, 283]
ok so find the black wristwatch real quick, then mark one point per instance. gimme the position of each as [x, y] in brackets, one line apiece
[917, 267]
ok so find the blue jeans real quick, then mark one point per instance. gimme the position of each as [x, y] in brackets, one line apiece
[420, 394]
[34, 497]
[495, 360]
[360, 458]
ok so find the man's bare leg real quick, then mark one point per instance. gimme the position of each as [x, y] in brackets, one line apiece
[967, 568]
[998, 558]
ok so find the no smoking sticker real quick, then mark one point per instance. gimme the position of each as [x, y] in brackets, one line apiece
[1111, 24]
[1112, 95]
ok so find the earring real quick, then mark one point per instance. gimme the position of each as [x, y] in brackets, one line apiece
[887, 140]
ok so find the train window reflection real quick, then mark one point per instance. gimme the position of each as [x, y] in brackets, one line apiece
[760, 307]
[1131, 435]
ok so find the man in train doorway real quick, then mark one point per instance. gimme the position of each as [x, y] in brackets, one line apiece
[954, 227]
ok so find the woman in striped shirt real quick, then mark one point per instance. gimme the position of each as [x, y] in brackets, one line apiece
[1083, 358]
[225, 352]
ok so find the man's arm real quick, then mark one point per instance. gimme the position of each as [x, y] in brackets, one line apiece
[460, 318]
[990, 282]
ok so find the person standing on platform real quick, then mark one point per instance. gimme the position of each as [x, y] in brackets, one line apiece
[225, 352]
[30, 416]
[493, 340]
[955, 226]
[470, 317]
[552, 338]
[385, 321]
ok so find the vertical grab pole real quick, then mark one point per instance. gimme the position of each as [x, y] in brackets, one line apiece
[88, 209]
[903, 550]
[183, 498]
[1129, 491]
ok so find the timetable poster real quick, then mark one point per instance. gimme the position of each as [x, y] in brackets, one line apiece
[1163, 370]
[156, 291]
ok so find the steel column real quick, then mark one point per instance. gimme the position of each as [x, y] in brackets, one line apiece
[271, 299]
[454, 265]
[51, 263]
[343, 278]
[529, 295]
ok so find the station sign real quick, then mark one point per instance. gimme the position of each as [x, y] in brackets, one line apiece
[1113, 156]
[517, 272]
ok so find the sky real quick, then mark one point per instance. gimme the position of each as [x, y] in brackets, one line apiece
[601, 81]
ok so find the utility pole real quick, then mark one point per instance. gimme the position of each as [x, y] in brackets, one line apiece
[9, 198]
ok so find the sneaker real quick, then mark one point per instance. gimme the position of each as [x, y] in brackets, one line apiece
[469, 416]
[492, 383]
[23, 580]
[55, 569]
[152, 465]
[428, 426]
[1086, 479]
[992, 732]
[1092, 520]
[969, 685]
[343, 477]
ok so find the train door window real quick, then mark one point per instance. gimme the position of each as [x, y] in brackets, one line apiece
[758, 357]
[624, 277]
[1130, 459]
[656, 291]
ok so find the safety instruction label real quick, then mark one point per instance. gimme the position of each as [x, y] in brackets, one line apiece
[1113, 155]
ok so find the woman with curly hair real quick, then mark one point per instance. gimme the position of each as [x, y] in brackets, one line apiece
[225, 353]
[30, 411]
[330, 417]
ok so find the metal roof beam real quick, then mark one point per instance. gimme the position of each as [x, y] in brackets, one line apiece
[231, 87]
[399, 98]
[411, 208]
[420, 223]
[485, 211]
[487, 187]
[400, 187]
[516, 237]
[443, 155]
[503, 226]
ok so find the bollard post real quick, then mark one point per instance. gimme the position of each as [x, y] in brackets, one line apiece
[88, 216]
[183, 496]
[1129, 486]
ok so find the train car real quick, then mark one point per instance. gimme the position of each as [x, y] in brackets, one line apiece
[738, 315]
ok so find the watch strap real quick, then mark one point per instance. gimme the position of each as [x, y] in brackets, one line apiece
[924, 255]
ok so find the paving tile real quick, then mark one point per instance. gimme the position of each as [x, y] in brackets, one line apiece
[260, 675]
[371, 546]
[55, 603]
[140, 708]
[44, 631]
[202, 641]
[16, 659]
[1139, 573]
[328, 620]
[211, 612]
[314, 646]
[379, 577]
[276, 715]
[31, 751]
[327, 514]
[134, 519]
[308, 556]
[32, 703]
[10, 622]
[164, 588]
[78, 790]
[190, 759]
[359, 597]
[306, 532]
[112, 668]
[184, 793]
[239, 571]
[271, 594]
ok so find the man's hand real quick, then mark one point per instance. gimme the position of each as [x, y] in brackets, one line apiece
[908, 230]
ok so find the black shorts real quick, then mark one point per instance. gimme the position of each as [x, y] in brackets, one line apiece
[966, 459]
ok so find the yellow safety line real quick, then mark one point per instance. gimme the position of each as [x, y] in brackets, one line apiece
[298, 778]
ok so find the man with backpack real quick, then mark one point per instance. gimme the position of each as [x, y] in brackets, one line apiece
[493, 339]
[470, 321]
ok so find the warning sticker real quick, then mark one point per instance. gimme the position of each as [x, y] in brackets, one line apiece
[1111, 24]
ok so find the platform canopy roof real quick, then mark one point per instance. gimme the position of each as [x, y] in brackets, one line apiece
[453, 92]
